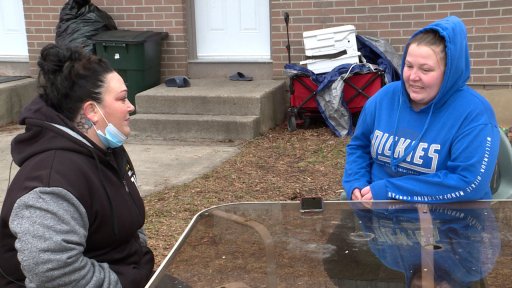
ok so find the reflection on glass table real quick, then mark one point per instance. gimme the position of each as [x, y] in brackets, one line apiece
[388, 244]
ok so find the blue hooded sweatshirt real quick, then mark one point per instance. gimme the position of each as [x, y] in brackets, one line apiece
[444, 152]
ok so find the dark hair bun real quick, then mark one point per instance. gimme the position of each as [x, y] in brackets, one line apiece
[69, 76]
[54, 57]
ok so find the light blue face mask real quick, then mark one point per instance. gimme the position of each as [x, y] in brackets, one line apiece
[112, 138]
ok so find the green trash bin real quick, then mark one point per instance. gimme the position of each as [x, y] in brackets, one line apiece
[135, 55]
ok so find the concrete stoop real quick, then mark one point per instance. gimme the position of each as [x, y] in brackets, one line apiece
[14, 68]
[13, 97]
[501, 100]
[215, 109]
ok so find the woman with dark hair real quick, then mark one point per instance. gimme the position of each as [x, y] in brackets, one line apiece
[73, 216]
[429, 137]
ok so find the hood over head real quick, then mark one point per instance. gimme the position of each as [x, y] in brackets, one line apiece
[456, 74]
[458, 67]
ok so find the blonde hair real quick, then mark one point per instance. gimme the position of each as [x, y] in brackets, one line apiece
[432, 39]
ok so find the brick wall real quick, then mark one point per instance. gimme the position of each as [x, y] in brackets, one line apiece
[489, 27]
[42, 16]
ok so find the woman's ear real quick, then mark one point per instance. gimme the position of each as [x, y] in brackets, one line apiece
[90, 111]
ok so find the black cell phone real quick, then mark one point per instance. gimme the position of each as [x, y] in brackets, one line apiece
[311, 204]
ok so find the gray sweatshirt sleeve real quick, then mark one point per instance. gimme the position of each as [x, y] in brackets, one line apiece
[142, 236]
[51, 227]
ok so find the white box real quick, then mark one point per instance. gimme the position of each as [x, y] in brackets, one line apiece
[330, 40]
[326, 65]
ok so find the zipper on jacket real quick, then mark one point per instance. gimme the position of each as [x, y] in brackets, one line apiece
[126, 187]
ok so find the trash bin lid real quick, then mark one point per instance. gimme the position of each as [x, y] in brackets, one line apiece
[128, 36]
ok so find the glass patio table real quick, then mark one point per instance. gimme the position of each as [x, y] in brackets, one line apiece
[348, 244]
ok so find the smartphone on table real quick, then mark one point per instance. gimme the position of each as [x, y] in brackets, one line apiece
[311, 204]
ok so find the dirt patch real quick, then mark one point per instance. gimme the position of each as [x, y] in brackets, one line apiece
[277, 166]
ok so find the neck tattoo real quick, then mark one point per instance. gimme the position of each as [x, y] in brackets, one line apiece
[83, 124]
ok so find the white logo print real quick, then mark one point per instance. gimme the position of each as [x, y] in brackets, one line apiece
[423, 159]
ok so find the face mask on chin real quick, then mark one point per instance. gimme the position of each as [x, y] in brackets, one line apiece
[112, 138]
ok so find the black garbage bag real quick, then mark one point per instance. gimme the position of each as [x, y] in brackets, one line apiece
[79, 21]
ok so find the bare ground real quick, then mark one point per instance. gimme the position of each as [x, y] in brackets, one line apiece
[277, 166]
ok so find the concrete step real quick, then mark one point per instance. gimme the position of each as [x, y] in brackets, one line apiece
[14, 68]
[211, 97]
[217, 109]
[223, 69]
[158, 102]
[179, 126]
[14, 96]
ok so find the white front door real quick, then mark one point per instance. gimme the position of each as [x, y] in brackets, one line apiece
[232, 29]
[12, 32]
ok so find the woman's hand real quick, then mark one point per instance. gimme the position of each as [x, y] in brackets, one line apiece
[356, 194]
[364, 195]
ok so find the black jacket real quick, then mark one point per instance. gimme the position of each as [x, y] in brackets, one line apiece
[53, 153]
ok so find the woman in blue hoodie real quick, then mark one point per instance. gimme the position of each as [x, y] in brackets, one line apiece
[429, 137]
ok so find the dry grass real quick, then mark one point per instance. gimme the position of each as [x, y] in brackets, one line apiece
[279, 165]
